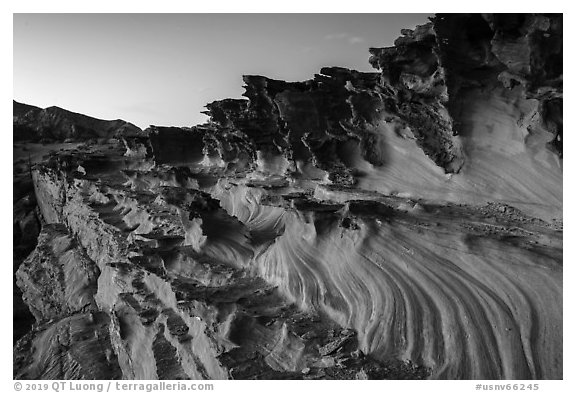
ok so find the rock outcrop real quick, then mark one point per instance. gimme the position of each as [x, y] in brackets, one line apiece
[520, 52]
[405, 223]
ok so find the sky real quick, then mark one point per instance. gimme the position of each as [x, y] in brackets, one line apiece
[161, 69]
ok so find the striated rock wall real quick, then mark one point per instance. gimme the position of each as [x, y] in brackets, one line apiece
[173, 280]
[57, 278]
[405, 223]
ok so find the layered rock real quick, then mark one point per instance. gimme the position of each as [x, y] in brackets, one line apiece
[71, 338]
[520, 52]
[397, 224]
[74, 347]
[175, 280]
[57, 278]
[414, 70]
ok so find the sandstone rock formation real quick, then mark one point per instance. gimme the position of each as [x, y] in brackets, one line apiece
[405, 223]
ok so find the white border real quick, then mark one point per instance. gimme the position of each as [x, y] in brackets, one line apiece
[295, 6]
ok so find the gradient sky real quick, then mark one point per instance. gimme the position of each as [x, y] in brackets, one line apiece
[162, 69]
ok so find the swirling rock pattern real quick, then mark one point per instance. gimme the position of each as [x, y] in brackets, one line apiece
[405, 223]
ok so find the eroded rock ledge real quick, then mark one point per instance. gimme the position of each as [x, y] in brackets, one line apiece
[404, 223]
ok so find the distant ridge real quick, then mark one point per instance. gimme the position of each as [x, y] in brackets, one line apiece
[31, 123]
